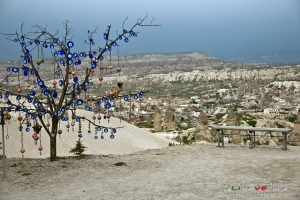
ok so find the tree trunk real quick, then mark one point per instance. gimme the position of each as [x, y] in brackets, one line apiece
[53, 135]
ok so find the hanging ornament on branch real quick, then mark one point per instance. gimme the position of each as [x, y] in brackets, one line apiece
[47, 99]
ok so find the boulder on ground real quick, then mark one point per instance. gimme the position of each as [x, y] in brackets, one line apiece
[236, 140]
[260, 141]
[294, 143]
[207, 138]
[178, 138]
[247, 142]
[184, 125]
[272, 143]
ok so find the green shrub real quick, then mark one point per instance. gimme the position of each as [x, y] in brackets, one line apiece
[292, 119]
[60, 158]
[252, 123]
[185, 140]
[78, 149]
[248, 137]
[220, 115]
[279, 125]
[120, 164]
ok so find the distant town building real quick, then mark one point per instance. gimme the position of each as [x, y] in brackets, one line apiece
[195, 97]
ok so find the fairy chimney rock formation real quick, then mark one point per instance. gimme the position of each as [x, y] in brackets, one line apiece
[294, 137]
[202, 124]
[157, 120]
[169, 123]
[231, 119]
[297, 125]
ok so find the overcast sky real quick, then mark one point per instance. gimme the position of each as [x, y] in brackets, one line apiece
[216, 27]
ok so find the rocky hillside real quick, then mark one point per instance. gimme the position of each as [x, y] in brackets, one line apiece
[132, 64]
[164, 57]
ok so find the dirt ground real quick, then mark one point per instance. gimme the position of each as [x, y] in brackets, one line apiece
[177, 172]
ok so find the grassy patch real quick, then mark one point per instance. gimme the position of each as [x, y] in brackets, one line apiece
[244, 117]
[83, 156]
[144, 125]
[120, 164]
[176, 82]
[26, 174]
[14, 165]
[61, 157]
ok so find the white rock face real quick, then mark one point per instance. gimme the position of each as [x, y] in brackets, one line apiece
[197, 75]
[127, 140]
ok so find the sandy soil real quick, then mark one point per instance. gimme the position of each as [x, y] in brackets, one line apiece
[128, 139]
[178, 172]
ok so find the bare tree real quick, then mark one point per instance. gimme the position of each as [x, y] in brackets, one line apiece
[62, 95]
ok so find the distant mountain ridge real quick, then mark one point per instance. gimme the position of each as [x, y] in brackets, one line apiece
[276, 57]
[280, 57]
[154, 57]
[142, 57]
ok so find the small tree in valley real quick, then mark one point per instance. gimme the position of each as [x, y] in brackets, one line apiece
[79, 148]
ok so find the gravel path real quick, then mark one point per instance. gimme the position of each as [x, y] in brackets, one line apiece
[178, 172]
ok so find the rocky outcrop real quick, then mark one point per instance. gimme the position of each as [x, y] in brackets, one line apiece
[202, 124]
[201, 132]
[294, 136]
[169, 119]
[157, 120]
[232, 121]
